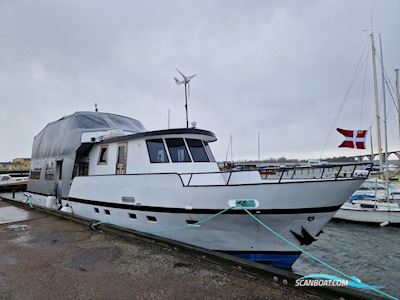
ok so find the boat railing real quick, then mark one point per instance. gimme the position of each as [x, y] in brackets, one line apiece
[277, 175]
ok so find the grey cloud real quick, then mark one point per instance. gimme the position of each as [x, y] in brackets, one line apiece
[278, 67]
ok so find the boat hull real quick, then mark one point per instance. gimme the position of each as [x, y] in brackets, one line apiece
[368, 216]
[296, 211]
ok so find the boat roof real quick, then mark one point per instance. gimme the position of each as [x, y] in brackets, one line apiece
[63, 137]
[205, 135]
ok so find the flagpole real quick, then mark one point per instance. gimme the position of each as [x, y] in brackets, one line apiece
[378, 118]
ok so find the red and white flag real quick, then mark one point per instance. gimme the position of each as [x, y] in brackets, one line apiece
[353, 138]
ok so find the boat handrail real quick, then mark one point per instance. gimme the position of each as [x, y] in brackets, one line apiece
[277, 175]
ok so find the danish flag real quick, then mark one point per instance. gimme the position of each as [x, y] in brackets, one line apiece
[353, 138]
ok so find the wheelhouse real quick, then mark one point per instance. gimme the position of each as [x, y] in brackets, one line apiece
[174, 150]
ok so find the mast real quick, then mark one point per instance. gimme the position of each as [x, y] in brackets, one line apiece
[231, 149]
[378, 121]
[398, 94]
[258, 149]
[385, 123]
[186, 106]
[372, 147]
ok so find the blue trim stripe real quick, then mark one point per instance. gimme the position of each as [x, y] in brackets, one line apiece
[279, 260]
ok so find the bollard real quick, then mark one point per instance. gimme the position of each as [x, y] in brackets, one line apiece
[13, 194]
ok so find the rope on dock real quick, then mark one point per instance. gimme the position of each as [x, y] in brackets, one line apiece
[29, 201]
[316, 258]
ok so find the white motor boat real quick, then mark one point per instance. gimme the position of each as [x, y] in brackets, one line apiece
[376, 188]
[108, 168]
[369, 205]
[12, 183]
[370, 211]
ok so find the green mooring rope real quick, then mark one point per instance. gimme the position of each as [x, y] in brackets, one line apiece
[29, 201]
[312, 256]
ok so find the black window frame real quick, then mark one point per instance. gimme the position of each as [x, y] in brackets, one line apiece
[210, 154]
[102, 154]
[35, 174]
[185, 148]
[195, 159]
[165, 151]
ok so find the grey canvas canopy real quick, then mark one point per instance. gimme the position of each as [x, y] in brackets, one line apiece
[60, 141]
[63, 137]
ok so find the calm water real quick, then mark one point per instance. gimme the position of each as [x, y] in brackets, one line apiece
[368, 252]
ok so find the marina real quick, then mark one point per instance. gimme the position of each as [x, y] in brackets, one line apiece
[199, 150]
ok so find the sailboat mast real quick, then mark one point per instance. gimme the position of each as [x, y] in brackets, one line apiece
[231, 149]
[378, 121]
[398, 94]
[385, 120]
[258, 148]
[372, 146]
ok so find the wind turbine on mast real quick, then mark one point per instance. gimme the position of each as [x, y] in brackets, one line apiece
[185, 81]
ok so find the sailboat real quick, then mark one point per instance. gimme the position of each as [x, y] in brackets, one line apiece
[378, 207]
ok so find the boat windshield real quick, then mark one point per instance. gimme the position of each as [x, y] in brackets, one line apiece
[157, 151]
[177, 150]
[197, 150]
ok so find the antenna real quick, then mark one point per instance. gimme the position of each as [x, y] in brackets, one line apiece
[169, 118]
[185, 81]
[95, 107]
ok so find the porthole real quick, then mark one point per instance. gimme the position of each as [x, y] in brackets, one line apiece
[151, 218]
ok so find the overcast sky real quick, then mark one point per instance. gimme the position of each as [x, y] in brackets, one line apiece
[278, 67]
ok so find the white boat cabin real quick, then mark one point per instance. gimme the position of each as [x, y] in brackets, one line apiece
[165, 151]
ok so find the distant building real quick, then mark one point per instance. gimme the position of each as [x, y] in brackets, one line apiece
[18, 164]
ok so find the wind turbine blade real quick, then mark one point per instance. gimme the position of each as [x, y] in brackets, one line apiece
[188, 91]
[190, 77]
[177, 81]
[184, 77]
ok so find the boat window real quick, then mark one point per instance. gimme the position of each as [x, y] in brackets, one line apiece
[80, 169]
[177, 150]
[89, 121]
[35, 174]
[151, 218]
[157, 151]
[103, 154]
[364, 188]
[49, 173]
[209, 152]
[126, 123]
[59, 166]
[121, 159]
[197, 150]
